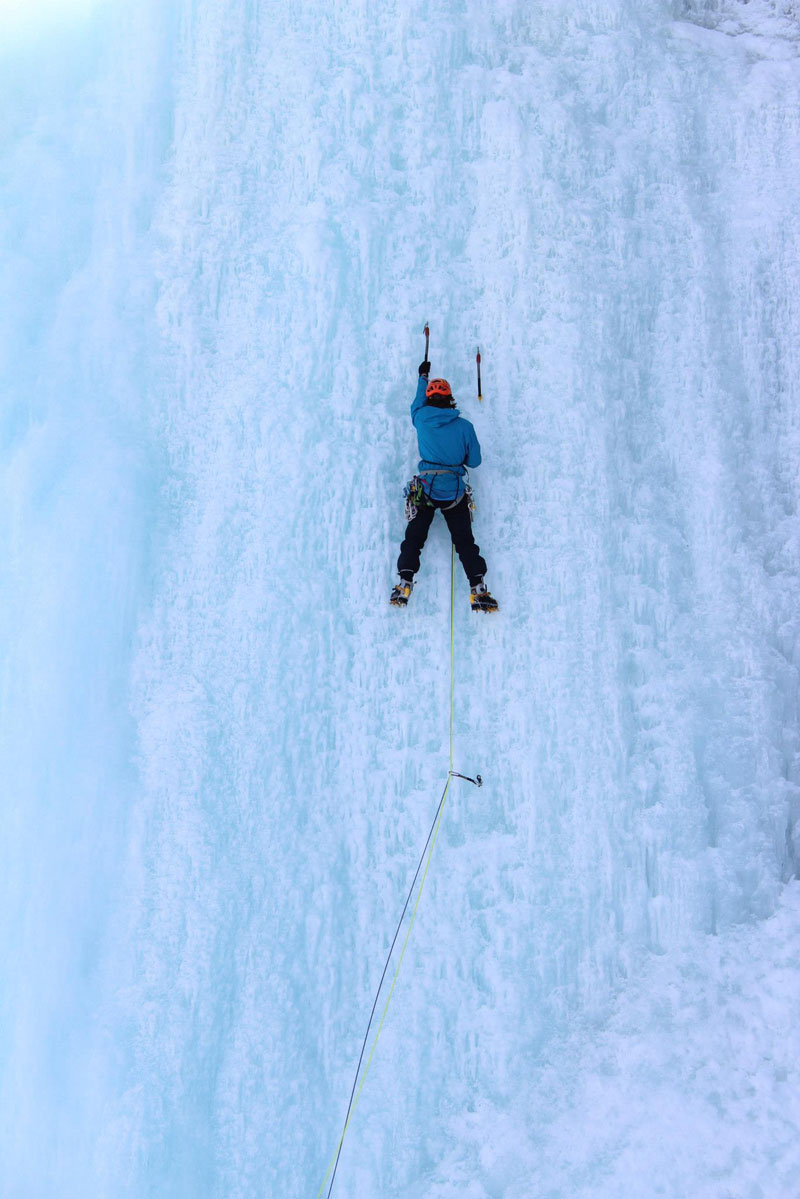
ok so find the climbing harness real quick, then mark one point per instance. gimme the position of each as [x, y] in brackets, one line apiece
[416, 496]
[426, 856]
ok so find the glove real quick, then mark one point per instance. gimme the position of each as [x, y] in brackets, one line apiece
[425, 368]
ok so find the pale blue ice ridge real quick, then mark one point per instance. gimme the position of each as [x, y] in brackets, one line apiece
[223, 227]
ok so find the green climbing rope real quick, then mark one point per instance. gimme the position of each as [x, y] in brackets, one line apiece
[432, 838]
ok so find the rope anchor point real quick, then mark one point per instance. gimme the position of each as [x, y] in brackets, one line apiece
[477, 781]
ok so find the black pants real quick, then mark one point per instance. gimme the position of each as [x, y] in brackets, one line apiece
[460, 526]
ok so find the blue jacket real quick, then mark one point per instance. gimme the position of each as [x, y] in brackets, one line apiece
[445, 439]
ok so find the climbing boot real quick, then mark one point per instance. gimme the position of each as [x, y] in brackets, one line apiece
[481, 599]
[400, 593]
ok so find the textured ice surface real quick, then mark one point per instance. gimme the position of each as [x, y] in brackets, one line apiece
[224, 225]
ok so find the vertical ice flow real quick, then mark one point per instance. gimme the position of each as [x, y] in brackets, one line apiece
[223, 227]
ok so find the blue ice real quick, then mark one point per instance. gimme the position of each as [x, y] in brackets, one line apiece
[223, 227]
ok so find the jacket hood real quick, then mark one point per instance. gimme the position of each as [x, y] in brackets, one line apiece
[440, 416]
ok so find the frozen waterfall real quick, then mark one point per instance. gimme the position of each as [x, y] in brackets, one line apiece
[224, 224]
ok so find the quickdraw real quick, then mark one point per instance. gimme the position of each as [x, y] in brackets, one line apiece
[415, 497]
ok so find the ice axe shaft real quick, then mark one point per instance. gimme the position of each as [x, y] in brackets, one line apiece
[478, 362]
[427, 340]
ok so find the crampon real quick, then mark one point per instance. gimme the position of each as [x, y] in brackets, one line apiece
[481, 599]
[400, 593]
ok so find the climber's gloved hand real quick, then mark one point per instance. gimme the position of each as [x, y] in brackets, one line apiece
[425, 368]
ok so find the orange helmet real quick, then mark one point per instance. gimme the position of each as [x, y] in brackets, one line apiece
[438, 387]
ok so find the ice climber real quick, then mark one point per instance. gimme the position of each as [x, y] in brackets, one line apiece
[447, 444]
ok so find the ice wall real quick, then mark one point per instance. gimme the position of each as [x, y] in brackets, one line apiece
[224, 227]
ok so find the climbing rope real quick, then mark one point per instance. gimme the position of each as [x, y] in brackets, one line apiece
[358, 1085]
